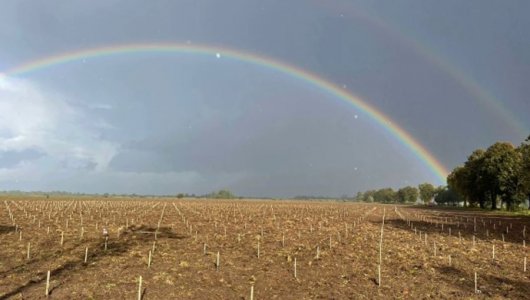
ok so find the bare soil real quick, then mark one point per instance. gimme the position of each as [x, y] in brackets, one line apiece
[426, 253]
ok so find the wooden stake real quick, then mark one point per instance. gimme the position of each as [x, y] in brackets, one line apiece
[381, 241]
[476, 289]
[140, 288]
[149, 259]
[251, 292]
[378, 275]
[86, 254]
[47, 283]
[29, 247]
[217, 261]
[295, 267]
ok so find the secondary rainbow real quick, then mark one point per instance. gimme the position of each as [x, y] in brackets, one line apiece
[419, 151]
[480, 94]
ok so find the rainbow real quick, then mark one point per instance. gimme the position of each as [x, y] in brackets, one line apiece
[479, 93]
[420, 152]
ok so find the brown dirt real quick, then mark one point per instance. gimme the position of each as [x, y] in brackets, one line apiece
[181, 270]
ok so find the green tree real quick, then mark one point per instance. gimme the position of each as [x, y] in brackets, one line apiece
[407, 194]
[448, 196]
[456, 182]
[502, 163]
[427, 192]
[369, 196]
[222, 194]
[359, 197]
[386, 195]
[524, 171]
[475, 182]
[225, 194]
[502, 171]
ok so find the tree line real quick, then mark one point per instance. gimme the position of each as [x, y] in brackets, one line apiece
[497, 175]
[409, 194]
[501, 173]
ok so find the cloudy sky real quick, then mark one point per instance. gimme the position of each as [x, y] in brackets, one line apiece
[453, 74]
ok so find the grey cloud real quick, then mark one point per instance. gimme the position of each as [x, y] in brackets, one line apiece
[10, 159]
[166, 122]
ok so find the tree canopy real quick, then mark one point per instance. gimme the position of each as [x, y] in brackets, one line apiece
[427, 192]
[501, 172]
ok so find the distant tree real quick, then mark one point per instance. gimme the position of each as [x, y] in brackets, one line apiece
[474, 182]
[180, 195]
[407, 194]
[501, 172]
[386, 195]
[222, 194]
[501, 167]
[369, 196]
[456, 181]
[427, 192]
[524, 171]
[448, 196]
[439, 189]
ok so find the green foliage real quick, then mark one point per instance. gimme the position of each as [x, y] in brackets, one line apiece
[457, 180]
[448, 196]
[524, 189]
[222, 194]
[386, 195]
[427, 192]
[501, 172]
[407, 194]
[368, 196]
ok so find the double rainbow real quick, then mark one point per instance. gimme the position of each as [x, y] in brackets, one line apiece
[419, 151]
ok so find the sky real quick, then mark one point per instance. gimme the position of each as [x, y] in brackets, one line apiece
[452, 74]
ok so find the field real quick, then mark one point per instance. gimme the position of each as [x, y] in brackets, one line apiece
[217, 249]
